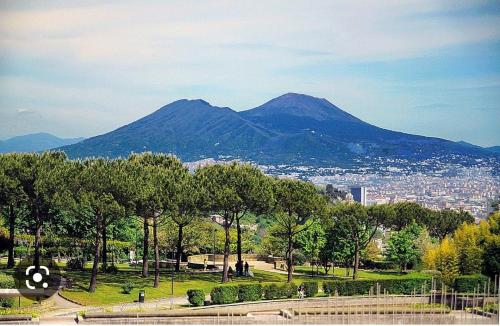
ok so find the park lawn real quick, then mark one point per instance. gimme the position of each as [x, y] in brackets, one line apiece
[363, 274]
[109, 285]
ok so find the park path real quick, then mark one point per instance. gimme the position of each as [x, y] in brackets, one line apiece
[64, 308]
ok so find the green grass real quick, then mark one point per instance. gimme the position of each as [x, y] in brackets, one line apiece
[362, 274]
[109, 286]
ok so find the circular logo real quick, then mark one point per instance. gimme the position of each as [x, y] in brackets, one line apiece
[38, 282]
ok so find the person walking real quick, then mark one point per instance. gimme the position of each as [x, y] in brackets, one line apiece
[247, 268]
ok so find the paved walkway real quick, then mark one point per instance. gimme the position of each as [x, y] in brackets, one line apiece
[66, 308]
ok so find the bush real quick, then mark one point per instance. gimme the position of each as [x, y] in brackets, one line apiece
[279, 291]
[249, 292]
[196, 297]
[7, 282]
[288, 290]
[468, 283]
[112, 269]
[75, 264]
[272, 291]
[310, 289]
[380, 265]
[127, 287]
[362, 287]
[224, 294]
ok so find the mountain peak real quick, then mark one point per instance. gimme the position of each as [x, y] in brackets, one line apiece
[301, 105]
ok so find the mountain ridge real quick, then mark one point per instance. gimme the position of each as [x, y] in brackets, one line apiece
[292, 128]
[35, 142]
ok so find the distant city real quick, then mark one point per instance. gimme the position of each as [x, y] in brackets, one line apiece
[472, 189]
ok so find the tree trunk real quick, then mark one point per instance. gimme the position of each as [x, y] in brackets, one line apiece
[157, 251]
[238, 244]
[12, 221]
[225, 267]
[179, 248]
[289, 260]
[104, 249]
[38, 240]
[97, 250]
[356, 260]
[145, 250]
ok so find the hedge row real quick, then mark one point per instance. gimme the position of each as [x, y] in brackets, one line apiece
[280, 291]
[469, 283]
[310, 289]
[253, 292]
[361, 287]
[224, 294]
[7, 282]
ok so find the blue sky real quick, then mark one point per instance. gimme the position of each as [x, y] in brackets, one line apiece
[82, 69]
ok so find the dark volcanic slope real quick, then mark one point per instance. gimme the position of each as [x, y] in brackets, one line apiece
[322, 131]
[292, 128]
[191, 129]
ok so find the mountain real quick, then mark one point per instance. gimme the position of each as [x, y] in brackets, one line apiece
[35, 142]
[293, 128]
[191, 129]
[494, 149]
[464, 143]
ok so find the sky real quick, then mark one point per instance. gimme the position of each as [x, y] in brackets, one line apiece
[83, 68]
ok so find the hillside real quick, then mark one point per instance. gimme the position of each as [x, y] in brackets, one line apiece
[293, 128]
[34, 143]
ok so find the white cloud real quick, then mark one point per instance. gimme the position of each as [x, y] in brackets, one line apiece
[136, 56]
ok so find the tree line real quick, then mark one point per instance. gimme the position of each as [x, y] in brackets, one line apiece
[46, 193]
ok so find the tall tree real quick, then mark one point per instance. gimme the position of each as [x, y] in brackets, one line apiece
[99, 193]
[296, 203]
[338, 247]
[360, 226]
[186, 204]
[41, 179]
[11, 197]
[402, 247]
[312, 241]
[155, 186]
[232, 190]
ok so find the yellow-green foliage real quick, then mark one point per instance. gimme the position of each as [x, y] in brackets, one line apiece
[430, 256]
[447, 261]
[470, 254]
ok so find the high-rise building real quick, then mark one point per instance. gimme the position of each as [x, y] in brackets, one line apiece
[358, 194]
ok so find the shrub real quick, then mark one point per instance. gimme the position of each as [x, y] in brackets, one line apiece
[310, 288]
[7, 282]
[224, 294]
[249, 292]
[75, 264]
[127, 287]
[279, 291]
[362, 287]
[196, 297]
[6, 302]
[112, 269]
[469, 283]
[380, 265]
[288, 290]
[272, 291]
